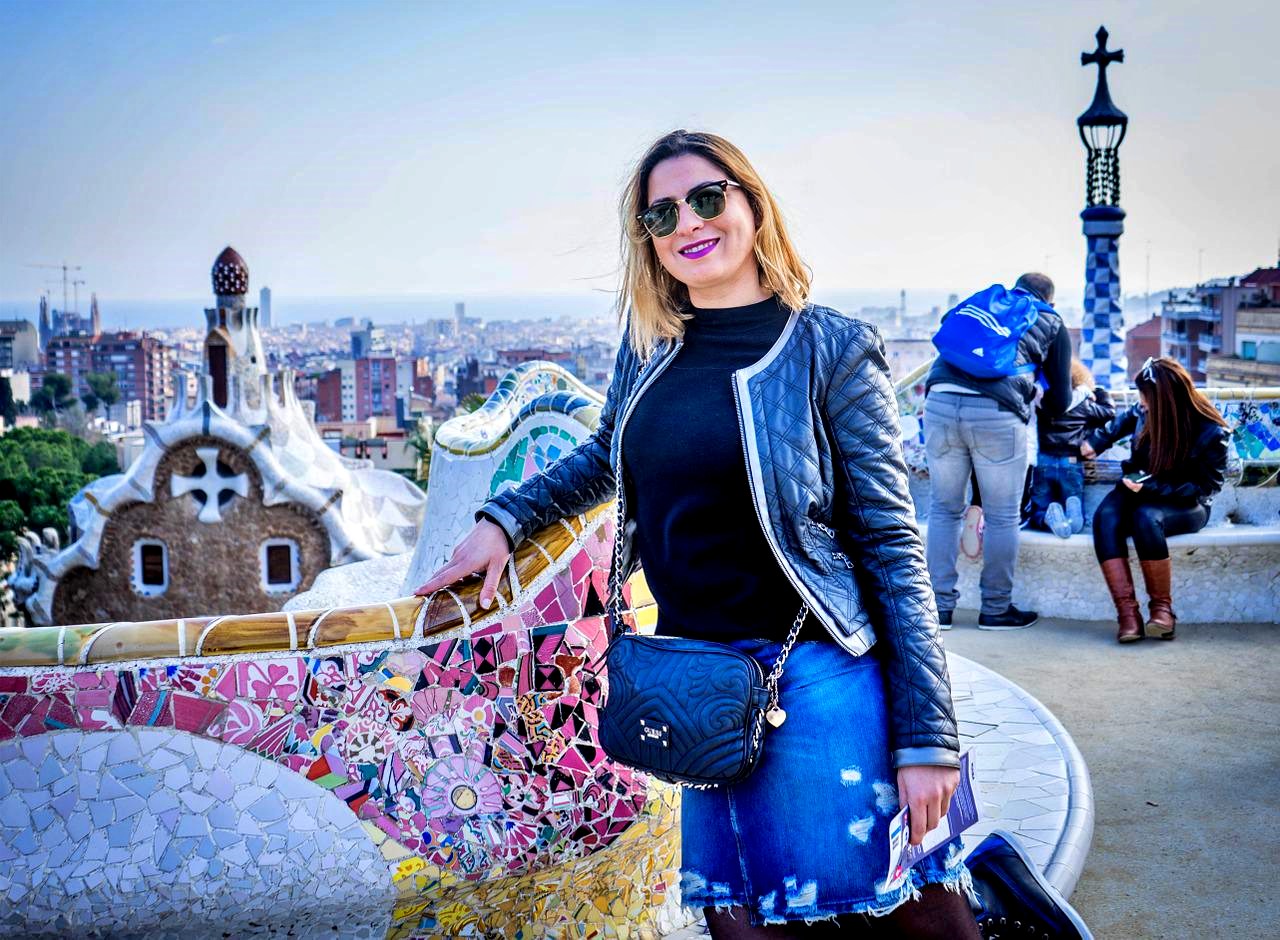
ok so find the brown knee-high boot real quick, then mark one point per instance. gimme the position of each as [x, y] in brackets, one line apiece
[1158, 576]
[1120, 583]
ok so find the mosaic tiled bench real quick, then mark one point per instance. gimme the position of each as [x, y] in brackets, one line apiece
[1033, 779]
[385, 767]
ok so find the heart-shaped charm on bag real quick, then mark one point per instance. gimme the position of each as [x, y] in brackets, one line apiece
[775, 716]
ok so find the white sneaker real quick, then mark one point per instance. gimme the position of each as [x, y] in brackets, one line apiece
[971, 533]
[1075, 513]
[1057, 522]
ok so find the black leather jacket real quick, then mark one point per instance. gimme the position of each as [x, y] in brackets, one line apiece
[1195, 480]
[1062, 436]
[819, 423]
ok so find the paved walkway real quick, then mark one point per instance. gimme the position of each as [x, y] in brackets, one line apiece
[1032, 778]
[1182, 741]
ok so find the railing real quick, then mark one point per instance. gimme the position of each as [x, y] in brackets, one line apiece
[1175, 338]
[1209, 342]
[1185, 311]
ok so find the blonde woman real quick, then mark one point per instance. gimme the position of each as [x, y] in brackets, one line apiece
[762, 472]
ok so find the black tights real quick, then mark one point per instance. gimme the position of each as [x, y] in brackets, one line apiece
[1123, 514]
[939, 914]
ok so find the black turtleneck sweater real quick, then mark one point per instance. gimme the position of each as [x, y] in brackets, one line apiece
[704, 553]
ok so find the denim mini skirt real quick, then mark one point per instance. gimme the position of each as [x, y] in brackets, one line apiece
[806, 836]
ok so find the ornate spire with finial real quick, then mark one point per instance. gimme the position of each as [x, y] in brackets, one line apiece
[1102, 111]
[1102, 128]
[230, 274]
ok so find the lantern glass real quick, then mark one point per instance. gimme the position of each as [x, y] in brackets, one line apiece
[1103, 136]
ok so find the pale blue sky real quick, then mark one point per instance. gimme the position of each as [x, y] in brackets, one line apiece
[362, 148]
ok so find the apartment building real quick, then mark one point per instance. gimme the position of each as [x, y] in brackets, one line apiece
[1251, 353]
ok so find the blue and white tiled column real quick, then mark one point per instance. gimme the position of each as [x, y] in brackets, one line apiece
[1102, 329]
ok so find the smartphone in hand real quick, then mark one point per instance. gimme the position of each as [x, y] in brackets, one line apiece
[1138, 476]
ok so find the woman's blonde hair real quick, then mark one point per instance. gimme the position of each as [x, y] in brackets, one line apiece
[656, 300]
[1080, 374]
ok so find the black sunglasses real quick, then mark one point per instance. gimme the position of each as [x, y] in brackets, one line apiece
[707, 200]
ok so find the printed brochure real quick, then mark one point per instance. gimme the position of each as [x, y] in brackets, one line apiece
[965, 810]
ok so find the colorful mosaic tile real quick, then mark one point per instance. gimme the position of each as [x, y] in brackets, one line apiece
[470, 761]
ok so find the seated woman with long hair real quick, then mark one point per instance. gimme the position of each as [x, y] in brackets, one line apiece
[1179, 459]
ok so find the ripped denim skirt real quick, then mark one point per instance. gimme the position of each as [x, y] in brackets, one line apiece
[806, 836]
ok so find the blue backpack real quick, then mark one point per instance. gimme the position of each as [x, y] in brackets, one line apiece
[980, 335]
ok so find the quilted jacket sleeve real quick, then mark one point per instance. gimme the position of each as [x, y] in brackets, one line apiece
[573, 484]
[875, 519]
[1098, 411]
[1117, 429]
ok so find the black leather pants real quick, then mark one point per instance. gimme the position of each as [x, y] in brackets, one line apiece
[1122, 515]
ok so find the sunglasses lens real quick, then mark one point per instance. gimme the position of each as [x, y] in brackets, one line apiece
[708, 202]
[661, 219]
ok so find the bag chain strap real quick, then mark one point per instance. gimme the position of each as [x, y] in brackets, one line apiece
[774, 713]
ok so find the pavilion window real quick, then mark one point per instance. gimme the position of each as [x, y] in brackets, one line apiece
[280, 566]
[150, 567]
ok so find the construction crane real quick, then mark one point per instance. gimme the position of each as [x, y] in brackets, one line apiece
[75, 286]
[64, 268]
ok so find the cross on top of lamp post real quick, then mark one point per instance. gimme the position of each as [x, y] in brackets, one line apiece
[1102, 56]
[1102, 112]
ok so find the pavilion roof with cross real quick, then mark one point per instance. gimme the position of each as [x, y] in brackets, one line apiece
[365, 512]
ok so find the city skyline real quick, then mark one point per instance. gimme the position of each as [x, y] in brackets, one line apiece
[387, 150]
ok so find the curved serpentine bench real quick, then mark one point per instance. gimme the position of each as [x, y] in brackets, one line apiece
[383, 768]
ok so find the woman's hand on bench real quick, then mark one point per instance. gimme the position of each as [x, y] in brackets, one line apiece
[484, 549]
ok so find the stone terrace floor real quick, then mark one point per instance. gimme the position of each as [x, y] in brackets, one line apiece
[1182, 742]
[1182, 747]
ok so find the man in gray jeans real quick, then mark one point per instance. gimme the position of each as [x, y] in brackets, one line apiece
[976, 426]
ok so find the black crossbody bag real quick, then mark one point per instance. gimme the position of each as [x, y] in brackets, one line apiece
[690, 712]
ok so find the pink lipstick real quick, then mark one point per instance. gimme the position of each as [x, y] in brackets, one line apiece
[699, 249]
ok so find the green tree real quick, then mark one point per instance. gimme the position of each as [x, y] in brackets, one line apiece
[54, 394]
[40, 471]
[422, 442]
[8, 409]
[104, 388]
[100, 460]
[12, 520]
[471, 402]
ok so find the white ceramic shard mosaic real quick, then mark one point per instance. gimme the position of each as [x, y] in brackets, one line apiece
[145, 832]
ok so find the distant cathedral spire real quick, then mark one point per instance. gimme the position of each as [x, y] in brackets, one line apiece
[45, 332]
[95, 318]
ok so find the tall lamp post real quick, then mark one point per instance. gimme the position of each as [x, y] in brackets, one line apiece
[1102, 129]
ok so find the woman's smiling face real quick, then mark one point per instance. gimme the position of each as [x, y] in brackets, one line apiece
[715, 259]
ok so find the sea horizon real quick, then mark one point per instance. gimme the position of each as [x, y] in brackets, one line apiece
[173, 313]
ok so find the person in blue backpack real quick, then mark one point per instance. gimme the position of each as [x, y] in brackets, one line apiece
[980, 394]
